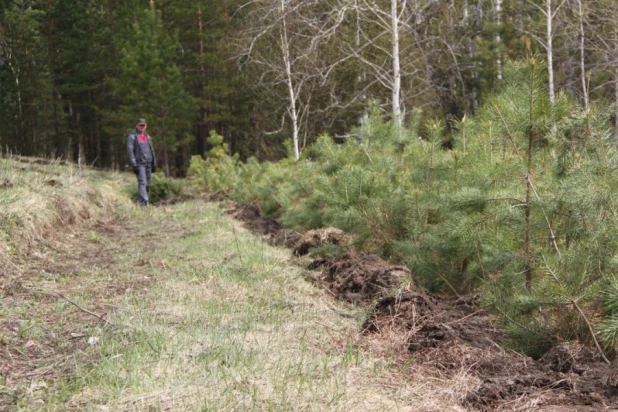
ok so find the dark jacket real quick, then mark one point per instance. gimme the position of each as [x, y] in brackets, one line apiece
[140, 151]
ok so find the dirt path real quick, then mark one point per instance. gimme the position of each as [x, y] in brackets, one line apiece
[58, 296]
[179, 308]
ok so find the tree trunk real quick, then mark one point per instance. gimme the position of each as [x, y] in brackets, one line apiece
[200, 134]
[616, 103]
[166, 162]
[528, 211]
[582, 54]
[52, 71]
[498, 39]
[396, 66]
[550, 52]
[285, 49]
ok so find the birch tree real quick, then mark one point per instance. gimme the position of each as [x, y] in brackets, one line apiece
[577, 37]
[604, 42]
[395, 27]
[284, 44]
[498, 38]
[582, 52]
[549, 11]
[385, 41]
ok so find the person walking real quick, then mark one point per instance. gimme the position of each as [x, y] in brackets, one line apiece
[142, 159]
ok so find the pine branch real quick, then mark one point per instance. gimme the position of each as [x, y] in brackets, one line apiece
[581, 312]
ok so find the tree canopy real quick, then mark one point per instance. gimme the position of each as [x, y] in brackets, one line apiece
[270, 75]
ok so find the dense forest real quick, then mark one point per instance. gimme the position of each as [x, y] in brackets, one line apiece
[271, 76]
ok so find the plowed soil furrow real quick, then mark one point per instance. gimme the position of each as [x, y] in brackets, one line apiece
[446, 337]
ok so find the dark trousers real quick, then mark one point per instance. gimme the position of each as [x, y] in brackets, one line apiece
[143, 183]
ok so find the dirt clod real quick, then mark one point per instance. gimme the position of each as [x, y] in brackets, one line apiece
[52, 182]
[319, 237]
[568, 357]
[359, 279]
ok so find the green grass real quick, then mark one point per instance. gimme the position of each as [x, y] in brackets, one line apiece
[203, 316]
[230, 324]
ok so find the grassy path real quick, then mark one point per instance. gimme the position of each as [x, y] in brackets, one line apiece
[201, 316]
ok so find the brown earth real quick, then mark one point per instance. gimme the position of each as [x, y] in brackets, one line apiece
[451, 335]
[268, 229]
[358, 279]
[446, 336]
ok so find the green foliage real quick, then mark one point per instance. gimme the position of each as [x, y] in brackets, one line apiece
[218, 172]
[150, 84]
[608, 327]
[163, 187]
[219, 176]
[458, 218]
[219, 148]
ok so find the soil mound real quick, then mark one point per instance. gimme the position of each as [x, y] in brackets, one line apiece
[433, 322]
[319, 237]
[452, 335]
[359, 279]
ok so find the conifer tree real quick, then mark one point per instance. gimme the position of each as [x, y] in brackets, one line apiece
[150, 85]
[24, 80]
[80, 70]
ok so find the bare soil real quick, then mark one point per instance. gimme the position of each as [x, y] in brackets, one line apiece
[445, 335]
[268, 229]
[358, 279]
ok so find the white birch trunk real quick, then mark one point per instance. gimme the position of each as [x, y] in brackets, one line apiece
[498, 39]
[582, 54]
[616, 103]
[396, 66]
[550, 53]
[15, 72]
[285, 49]
[361, 76]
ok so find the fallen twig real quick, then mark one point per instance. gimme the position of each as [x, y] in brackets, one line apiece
[465, 317]
[84, 310]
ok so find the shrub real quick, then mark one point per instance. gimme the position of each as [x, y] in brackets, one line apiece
[163, 188]
[522, 207]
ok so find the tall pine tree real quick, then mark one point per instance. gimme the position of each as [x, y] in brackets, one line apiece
[150, 85]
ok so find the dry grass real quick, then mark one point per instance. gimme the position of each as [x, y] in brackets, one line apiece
[48, 215]
[36, 198]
